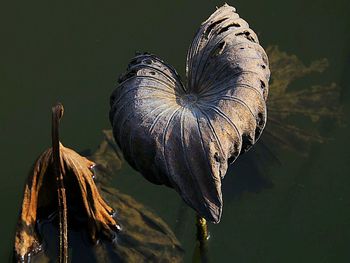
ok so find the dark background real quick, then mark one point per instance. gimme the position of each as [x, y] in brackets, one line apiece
[74, 52]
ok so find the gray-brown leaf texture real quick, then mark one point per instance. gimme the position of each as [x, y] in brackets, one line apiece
[184, 136]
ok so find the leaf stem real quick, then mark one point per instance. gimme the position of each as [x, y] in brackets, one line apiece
[57, 113]
[202, 237]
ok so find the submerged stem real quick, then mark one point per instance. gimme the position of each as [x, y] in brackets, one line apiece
[202, 237]
[57, 113]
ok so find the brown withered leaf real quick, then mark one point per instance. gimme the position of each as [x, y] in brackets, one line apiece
[72, 179]
[143, 237]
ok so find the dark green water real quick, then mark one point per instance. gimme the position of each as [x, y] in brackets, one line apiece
[74, 53]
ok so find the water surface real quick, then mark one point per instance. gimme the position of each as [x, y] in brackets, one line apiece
[74, 53]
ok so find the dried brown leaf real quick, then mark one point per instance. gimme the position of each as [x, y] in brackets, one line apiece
[82, 194]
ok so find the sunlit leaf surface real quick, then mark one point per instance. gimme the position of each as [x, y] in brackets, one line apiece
[185, 135]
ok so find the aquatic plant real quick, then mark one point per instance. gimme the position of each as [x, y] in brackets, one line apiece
[184, 136]
[71, 172]
[65, 196]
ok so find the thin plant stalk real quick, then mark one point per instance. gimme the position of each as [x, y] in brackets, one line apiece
[202, 237]
[57, 113]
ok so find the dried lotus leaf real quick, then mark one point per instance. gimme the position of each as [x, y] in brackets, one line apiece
[39, 200]
[184, 136]
[61, 184]
[143, 237]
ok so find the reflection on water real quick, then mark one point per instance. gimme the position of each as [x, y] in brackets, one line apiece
[289, 106]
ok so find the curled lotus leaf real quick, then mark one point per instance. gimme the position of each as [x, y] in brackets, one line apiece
[184, 136]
